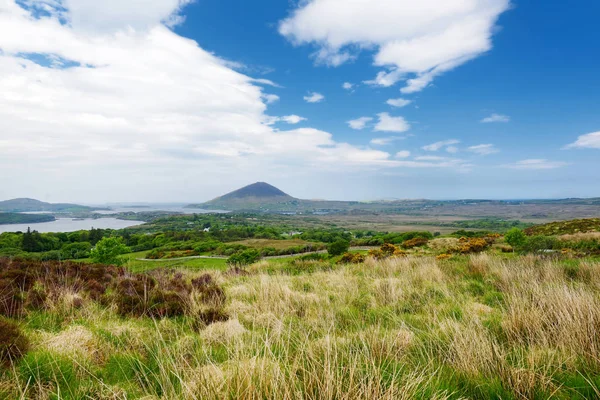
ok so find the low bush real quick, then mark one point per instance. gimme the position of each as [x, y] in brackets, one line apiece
[416, 242]
[13, 343]
[338, 247]
[352, 258]
[473, 245]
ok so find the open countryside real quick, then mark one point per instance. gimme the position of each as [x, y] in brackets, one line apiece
[299, 200]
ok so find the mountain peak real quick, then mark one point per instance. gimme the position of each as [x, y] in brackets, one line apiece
[255, 190]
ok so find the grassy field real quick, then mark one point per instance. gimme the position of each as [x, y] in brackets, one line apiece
[134, 264]
[276, 244]
[480, 326]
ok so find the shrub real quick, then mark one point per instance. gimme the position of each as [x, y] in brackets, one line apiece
[246, 257]
[108, 250]
[376, 254]
[539, 243]
[212, 315]
[132, 294]
[443, 256]
[11, 299]
[13, 343]
[352, 258]
[388, 249]
[515, 237]
[416, 242]
[76, 250]
[164, 303]
[338, 247]
[473, 245]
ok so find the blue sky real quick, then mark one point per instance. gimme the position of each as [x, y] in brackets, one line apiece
[182, 101]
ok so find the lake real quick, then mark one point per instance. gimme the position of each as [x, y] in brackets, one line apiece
[71, 225]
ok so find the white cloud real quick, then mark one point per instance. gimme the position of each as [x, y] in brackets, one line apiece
[414, 41]
[588, 141]
[159, 108]
[270, 98]
[496, 118]
[398, 102]
[439, 145]
[452, 149]
[314, 97]
[290, 119]
[403, 154]
[483, 149]
[348, 86]
[386, 140]
[536, 164]
[359, 123]
[387, 123]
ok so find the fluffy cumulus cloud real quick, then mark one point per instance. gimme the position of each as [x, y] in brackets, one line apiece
[387, 123]
[483, 149]
[398, 102]
[448, 144]
[536, 164]
[414, 41]
[100, 95]
[347, 85]
[314, 97]
[403, 154]
[270, 98]
[588, 141]
[496, 118]
[359, 123]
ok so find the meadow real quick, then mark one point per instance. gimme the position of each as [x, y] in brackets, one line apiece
[416, 325]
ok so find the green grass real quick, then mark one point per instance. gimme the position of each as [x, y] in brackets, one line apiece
[473, 326]
[275, 244]
[218, 264]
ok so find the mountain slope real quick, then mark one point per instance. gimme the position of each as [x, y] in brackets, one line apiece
[29, 205]
[256, 190]
[257, 196]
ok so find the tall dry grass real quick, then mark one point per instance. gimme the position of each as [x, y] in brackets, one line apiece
[478, 326]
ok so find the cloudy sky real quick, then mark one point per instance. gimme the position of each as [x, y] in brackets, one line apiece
[182, 100]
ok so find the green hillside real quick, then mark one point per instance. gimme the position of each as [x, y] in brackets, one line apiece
[16, 218]
[565, 227]
[29, 205]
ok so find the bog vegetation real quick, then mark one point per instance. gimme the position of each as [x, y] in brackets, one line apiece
[469, 315]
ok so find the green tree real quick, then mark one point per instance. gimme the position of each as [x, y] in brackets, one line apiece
[108, 250]
[515, 237]
[338, 247]
[245, 257]
[30, 242]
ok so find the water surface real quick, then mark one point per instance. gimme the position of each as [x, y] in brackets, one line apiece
[71, 225]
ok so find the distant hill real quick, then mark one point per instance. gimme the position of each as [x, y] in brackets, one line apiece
[257, 196]
[16, 218]
[263, 197]
[565, 227]
[29, 205]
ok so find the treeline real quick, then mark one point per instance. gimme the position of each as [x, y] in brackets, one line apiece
[378, 239]
[77, 245]
[18, 218]
[50, 246]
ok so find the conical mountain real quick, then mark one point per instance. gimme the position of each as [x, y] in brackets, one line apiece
[257, 196]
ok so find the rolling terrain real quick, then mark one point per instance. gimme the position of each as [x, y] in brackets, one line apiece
[32, 205]
[262, 197]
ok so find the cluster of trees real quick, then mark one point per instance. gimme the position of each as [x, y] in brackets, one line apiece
[50, 246]
[521, 242]
[393, 238]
